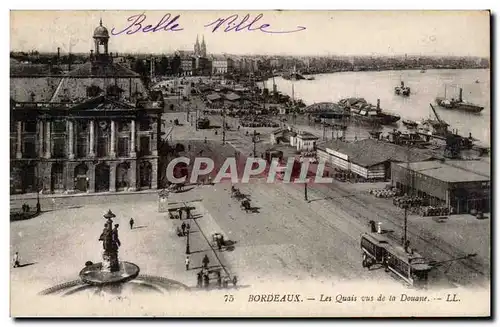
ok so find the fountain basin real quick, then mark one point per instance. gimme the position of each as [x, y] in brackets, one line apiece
[93, 274]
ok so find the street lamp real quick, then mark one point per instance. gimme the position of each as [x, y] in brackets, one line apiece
[38, 206]
[188, 227]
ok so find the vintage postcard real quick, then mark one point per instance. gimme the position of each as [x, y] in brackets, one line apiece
[250, 163]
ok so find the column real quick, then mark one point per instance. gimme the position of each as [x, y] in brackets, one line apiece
[70, 177]
[112, 152]
[71, 153]
[47, 139]
[112, 177]
[132, 139]
[91, 176]
[154, 138]
[19, 153]
[154, 174]
[40, 138]
[91, 141]
[132, 176]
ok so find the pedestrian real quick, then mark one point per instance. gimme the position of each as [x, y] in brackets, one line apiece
[199, 279]
[180, 213]
[206, 280]
[205, 261]
[188, 227]
[131, 222]
[187, 262]
[183, 226]
[235, 280]
[205, 139]
[219, 279]
[219, 244]
[16, 260]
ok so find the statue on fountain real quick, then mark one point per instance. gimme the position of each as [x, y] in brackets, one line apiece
[110, 244]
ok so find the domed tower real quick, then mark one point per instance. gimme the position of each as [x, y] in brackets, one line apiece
[101, 38]
[203, 48]
[197, 47]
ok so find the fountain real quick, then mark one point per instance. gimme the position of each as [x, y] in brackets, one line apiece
[110, 270]
[112, 275]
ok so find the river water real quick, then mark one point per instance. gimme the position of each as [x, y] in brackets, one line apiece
[425, 87]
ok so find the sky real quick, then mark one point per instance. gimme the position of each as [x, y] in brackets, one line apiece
[440, 33]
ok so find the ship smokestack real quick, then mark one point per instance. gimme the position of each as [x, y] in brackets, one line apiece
[460, 95]
[402, 84]
[58, 55]
[378, 103]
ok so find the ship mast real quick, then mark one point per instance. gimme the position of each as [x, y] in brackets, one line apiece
[409, 182]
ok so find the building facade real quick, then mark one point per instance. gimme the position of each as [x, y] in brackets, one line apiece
[222, 66]
[98, 137]
[444, 183]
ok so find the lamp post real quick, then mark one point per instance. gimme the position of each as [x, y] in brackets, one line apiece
[188, 227]
[38, 206]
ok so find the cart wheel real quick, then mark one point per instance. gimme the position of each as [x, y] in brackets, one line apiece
[365, 261]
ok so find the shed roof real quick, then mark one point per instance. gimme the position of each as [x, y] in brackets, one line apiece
[232, 96]
[370, 152]
[213, 96]
[444, 172]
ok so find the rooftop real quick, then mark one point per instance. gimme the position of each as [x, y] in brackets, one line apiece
[445, 172]
[370, 152]
[307, 136]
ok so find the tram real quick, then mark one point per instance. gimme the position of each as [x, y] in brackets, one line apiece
[410, 266]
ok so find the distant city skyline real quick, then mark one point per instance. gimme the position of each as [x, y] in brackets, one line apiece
[333, 33]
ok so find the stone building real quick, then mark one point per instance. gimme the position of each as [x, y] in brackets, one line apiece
[90, 130]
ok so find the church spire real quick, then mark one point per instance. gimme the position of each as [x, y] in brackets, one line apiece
[203, 50]
[197, 47]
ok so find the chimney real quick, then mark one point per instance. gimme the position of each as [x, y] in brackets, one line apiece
[69, 62]
[460, 95]
[58, 55]
[378, 103]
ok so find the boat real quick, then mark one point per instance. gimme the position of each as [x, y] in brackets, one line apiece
[422, 70]
[402, 89]
[310, 78]
[433, 127]
[363, 112]
[458, 104]
[410, 123]
[293, 75]
[477, 81]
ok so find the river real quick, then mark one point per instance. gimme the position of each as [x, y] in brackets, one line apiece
[425, 87]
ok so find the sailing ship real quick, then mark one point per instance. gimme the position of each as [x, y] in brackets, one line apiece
[458, 104]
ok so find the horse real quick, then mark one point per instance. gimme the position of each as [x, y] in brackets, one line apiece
[245, 204]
